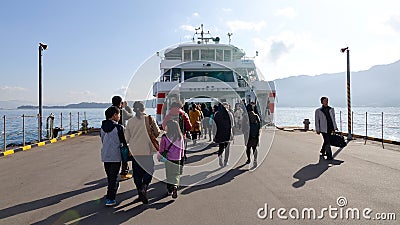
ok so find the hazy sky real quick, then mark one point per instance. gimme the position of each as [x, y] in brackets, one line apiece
[96, 46]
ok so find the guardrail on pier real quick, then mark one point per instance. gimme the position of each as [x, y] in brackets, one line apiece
[29, 128]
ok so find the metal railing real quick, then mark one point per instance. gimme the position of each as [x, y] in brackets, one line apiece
[375, 124]
[29, 132]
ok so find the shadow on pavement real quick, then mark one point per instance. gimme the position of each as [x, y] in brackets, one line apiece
[216, 180]
[94, 212]
[52, 200]
[313, 171]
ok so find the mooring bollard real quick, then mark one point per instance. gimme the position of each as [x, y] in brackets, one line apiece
[306, 123]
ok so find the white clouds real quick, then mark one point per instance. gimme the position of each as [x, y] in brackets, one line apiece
[237, 25]
[384, 25]
[289, 53]
[394, 22]
[288, 12]
[187, 28]
[120, 91]
[227, 10]
[12, 89]
[196, 14]
[15, 93]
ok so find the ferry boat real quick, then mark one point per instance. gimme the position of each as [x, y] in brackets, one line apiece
[207, 69]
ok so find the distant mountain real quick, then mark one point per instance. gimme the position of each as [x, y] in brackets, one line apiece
[70, 106]
[376, 87]
[148, 104]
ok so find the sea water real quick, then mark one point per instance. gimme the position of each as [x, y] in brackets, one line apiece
[284, 116]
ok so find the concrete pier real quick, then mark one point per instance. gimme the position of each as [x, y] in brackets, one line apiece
[64, 183]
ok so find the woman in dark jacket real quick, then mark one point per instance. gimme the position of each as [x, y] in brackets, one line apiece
[223, 136]
[251, 126]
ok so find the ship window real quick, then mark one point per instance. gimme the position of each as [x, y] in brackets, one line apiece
[208, 54]
[227, 55]
[176, 74]
[167, 76]
[219, 55]
[195, 54]
[209, 76]
[187, 55]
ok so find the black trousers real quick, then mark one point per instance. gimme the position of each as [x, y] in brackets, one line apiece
[112, 169]
[326, 146]
[252, 144]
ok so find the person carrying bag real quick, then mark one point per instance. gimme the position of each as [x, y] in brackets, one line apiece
[172, 155]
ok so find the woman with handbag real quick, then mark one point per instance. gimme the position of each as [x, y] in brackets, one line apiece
[141, 133]
[171, 152]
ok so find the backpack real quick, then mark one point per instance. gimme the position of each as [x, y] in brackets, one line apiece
[254, 130]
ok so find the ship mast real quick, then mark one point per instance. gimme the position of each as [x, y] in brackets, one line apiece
[202, 38]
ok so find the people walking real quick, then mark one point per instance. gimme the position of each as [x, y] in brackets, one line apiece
[195, 120]
[224, 133]
[206, 121]
[325, 124]
[172, 143]
[112, 138]
[176, 113]
[125, 115]
[238, 114]
[140, 134]
[251, 126]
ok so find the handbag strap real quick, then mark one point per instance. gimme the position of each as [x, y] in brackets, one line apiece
[169, 147]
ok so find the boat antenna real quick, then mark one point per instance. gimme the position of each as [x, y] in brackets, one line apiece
[229, 35]
[202, 33]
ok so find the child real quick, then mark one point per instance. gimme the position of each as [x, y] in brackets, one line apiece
[173, 143]
[112, 137]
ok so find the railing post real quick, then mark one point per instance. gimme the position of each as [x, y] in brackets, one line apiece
[5, 134]
[78, 122]
[39, 128]
[23, 129]
[340, 115]
[352, 124]
[366, 127]
[61, 125]
[84, 116]
[382, 132]
[70, 122]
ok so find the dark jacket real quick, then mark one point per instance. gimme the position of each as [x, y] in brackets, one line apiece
[224, 126]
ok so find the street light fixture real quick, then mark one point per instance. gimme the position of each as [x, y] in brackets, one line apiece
[41, 48]
[349, 134]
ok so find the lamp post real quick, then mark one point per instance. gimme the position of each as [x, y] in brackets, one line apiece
[349, 135]
[41, 48]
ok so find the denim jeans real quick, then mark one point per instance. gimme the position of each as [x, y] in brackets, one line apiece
[143, 169]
